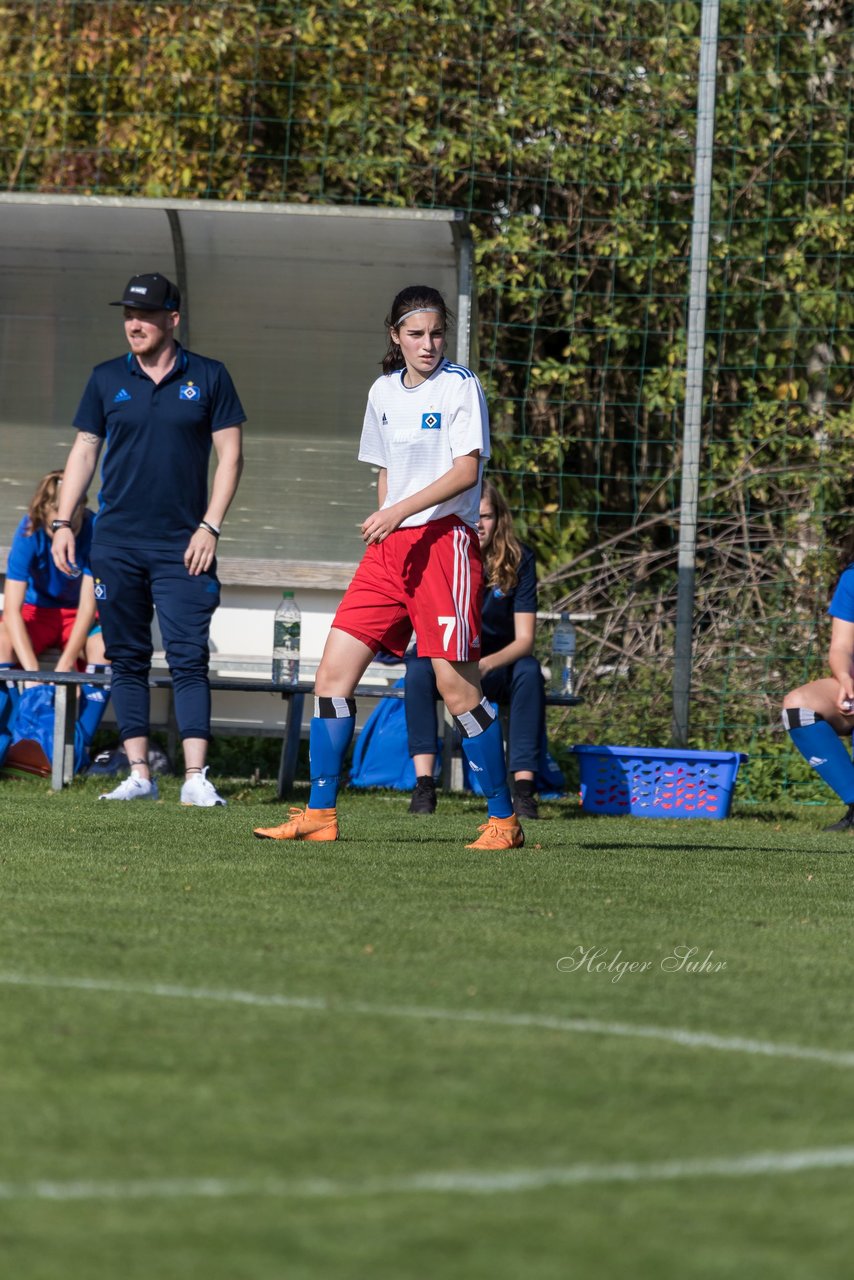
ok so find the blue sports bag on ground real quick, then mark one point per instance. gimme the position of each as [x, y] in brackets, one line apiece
[32, 722]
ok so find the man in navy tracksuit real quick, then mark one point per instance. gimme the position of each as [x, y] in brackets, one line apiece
[159, 409]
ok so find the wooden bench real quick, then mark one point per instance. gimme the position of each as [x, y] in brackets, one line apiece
[65, 713]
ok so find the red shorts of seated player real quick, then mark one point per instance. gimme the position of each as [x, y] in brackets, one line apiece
[427, 579]
[48, 628]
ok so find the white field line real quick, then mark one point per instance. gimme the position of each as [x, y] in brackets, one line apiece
[452, 1182]
[481, 1017]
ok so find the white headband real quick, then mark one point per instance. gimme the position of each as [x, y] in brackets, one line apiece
[415, 312]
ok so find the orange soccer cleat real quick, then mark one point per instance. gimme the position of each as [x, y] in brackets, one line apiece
[500, 833]
[304, 824]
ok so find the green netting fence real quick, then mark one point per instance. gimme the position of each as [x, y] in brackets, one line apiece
[565, 131]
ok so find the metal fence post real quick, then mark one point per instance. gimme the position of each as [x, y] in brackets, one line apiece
[694, 370]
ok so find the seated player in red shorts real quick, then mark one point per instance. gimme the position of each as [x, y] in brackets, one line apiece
[43, 608]
[427, 430]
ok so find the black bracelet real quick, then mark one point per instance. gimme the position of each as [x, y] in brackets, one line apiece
[59, 524]
[211, 528]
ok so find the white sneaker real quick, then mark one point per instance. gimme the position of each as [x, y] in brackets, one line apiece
[133, 788]
[198, 791]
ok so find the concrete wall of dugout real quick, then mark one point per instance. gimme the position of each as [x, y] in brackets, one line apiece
[292, 298]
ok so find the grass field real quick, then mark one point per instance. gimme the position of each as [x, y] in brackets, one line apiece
[390, 1057]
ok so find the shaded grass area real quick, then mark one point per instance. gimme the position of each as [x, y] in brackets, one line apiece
[392, 922]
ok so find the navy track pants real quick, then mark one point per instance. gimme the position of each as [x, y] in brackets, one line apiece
[129, 585]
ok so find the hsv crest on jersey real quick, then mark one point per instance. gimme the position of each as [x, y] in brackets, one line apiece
[431, 421]
[100, 589]
[189, 391]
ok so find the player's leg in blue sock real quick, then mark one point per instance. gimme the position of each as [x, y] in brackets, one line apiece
[822, 747]
[484, 750]
[92, 704]
[330, 734]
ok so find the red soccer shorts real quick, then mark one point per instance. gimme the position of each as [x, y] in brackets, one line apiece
[428, 579]
[47, 628]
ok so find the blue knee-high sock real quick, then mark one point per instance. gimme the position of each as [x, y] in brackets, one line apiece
[484, 748]
[330, 734]
[822, 747]
[92, 705]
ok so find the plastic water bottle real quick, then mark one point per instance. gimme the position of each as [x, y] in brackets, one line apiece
[563, 657]
[286, 637]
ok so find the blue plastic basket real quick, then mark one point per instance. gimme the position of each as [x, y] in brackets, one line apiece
[650, 782]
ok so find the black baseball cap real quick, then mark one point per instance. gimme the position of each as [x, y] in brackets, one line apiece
[152, 292]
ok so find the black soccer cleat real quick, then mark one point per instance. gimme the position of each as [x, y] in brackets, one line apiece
[423, 797]
[844, 824]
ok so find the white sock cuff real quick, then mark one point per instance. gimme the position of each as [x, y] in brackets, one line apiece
[477, 720]
[800, 717]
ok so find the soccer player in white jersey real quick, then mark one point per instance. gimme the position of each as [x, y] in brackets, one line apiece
[427, 430]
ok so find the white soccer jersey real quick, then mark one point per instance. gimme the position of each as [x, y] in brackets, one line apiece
[416, 432]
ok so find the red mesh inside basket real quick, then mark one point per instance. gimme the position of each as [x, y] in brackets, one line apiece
[645, 786]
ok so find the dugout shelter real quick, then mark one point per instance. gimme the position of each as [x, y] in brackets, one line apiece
[291, 297]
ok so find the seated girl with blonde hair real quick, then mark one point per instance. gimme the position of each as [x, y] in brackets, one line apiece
[43, 608]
